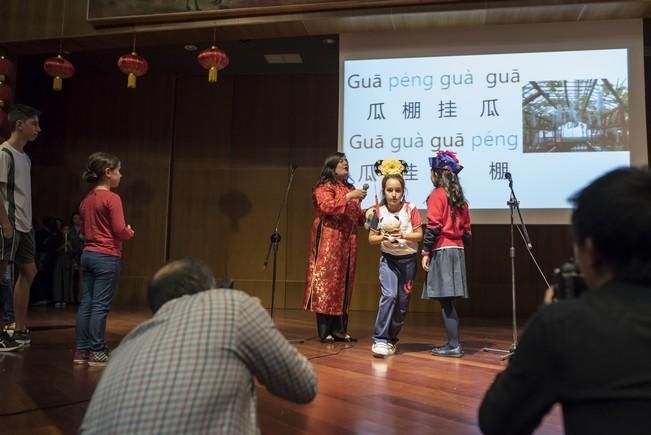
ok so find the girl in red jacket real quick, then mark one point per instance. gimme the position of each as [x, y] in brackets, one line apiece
[448, 230]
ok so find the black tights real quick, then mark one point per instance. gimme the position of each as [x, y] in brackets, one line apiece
[450, 320]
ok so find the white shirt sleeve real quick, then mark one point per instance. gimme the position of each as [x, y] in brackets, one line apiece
[5, 163]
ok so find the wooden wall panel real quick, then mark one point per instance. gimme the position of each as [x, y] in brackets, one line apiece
[268, 136]
[201, 217]
[489, 268]
[136, 125]
[100, 114]
[231, 170]
[260, 161]
[314, 137]
[50, 176]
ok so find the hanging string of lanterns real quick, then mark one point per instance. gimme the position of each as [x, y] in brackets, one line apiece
[133, 65]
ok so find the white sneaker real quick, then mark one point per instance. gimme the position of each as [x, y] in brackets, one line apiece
[381, 350]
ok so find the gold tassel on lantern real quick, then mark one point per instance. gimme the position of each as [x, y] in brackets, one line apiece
[212, 74]
[57, 83]
[131, 81]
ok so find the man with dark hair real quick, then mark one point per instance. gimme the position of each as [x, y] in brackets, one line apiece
[17, 241]
[179, 278]
[191, 368]
[592, 354]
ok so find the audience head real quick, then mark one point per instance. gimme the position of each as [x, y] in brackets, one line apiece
[612, 227]
[75, 219]
[178, 278]
[49, 223]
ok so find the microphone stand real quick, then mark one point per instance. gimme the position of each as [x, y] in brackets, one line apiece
[514, 205]
[274, 244]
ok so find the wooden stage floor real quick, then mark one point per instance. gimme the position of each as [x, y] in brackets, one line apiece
[41, 392]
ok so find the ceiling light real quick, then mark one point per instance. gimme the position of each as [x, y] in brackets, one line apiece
[283, 58]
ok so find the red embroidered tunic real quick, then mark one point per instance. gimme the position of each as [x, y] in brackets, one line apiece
[333, 250]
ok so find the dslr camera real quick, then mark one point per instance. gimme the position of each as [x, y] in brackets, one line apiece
[568, 281]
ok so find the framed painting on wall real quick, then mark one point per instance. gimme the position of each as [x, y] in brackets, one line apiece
[116, 12]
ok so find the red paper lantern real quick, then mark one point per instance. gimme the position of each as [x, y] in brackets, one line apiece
[213, 59]
[6, 67]
[134, 66]
[59, 68]
[6, 95]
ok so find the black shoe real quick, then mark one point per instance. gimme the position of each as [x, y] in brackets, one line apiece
[452, 352]
[98, 359]
[328, 339]
[8, 344]
[22, 337]
[445, 346]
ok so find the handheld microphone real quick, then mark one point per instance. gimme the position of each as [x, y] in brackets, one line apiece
[365, 187]
[507, 175]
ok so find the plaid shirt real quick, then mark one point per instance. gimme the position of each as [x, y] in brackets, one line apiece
[191, 369]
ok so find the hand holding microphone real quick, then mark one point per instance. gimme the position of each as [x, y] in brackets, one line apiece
[357, 193]
[365, 189]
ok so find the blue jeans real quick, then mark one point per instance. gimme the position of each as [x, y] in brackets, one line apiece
[396, 281]
[99, 274]
[7, 294]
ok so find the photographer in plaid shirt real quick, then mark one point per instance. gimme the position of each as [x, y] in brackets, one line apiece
[191, 367]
